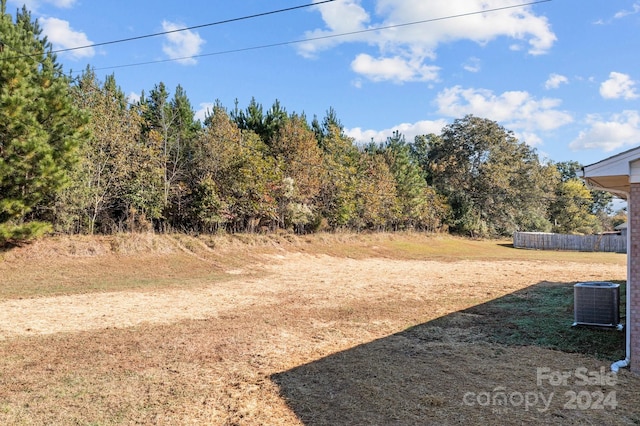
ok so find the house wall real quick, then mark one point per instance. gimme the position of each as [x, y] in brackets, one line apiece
[633, 280]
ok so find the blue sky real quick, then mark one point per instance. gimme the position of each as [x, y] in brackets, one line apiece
[564, 75]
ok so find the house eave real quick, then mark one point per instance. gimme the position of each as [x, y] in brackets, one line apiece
[614, 174]
[618, 185]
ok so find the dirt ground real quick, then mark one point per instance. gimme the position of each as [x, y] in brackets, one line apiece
[290, 337]
[312, 281]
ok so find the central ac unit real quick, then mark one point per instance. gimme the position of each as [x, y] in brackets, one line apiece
[597, 303]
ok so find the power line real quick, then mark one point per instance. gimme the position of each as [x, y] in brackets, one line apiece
[325, 37]
[226, 21]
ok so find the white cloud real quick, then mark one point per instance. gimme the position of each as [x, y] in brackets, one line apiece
[514, 109]
[133, 98]
[635, 8]
[62, 36]
[617, 131]
[344, 16]
[473, 65]
[341, 17]
[619, 86]
[409, 130]
[529, 138]
[181, 45]
[518, 111]
[393, 69]
[205, 108]
[555, 80]
[515, 47]
[415, 44]
[62, 3]
[623, 13]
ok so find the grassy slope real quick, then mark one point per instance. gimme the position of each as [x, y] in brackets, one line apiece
[73, 265]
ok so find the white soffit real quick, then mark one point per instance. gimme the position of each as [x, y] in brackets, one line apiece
[615, 173]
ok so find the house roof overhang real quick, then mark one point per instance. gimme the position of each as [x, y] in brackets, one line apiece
[614, 174]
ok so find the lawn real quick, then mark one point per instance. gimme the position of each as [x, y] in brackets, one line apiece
[313, 330]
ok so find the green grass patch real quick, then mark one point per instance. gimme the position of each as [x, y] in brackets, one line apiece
[422, 246]
[542, 315]
[455, 249]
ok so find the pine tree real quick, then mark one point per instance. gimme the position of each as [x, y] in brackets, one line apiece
[414, 195]
[235, 180]
[264, 125]
[170, 128]
[39, 126]
[338, 193]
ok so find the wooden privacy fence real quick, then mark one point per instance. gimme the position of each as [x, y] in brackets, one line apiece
[546, 241]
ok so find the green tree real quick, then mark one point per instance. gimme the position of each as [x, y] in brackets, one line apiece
[275, 118]
[420, 152]
[619, 217]
[92, 191]
[570, 211]
[601, 201]
[253, 118]
[568, 170]
[419, 205]
[378, 205]
[40, 128]
[494, 184]
[208, 210]
[338, 192]
[256, 184]
[237, 174]
[214, 157]
[536, 187]
[300, 159]
[170, 127]
[114, 168]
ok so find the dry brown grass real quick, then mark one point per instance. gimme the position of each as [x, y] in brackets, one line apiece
[320, 330]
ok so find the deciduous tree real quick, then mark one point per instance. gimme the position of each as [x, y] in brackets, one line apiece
[570, 211]
[494, 183]
[170, 128]
[300, 159]
[237, 174]
[378, 205]
[338, 193]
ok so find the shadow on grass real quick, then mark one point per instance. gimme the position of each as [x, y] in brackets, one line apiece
[507, 245]
[7, 246]
[422, 375]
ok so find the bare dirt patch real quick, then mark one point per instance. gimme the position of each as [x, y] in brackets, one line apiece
[310, 332]
[310, 280]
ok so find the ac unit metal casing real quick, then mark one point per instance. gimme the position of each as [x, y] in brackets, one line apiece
[597, 303]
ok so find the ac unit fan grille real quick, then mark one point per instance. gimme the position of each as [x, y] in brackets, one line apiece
[597, 303]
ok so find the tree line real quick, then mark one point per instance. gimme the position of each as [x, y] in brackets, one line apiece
[77, 157]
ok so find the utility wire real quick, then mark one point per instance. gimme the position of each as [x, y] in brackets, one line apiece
[310, 165]
[226, 21]
[325, 37]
